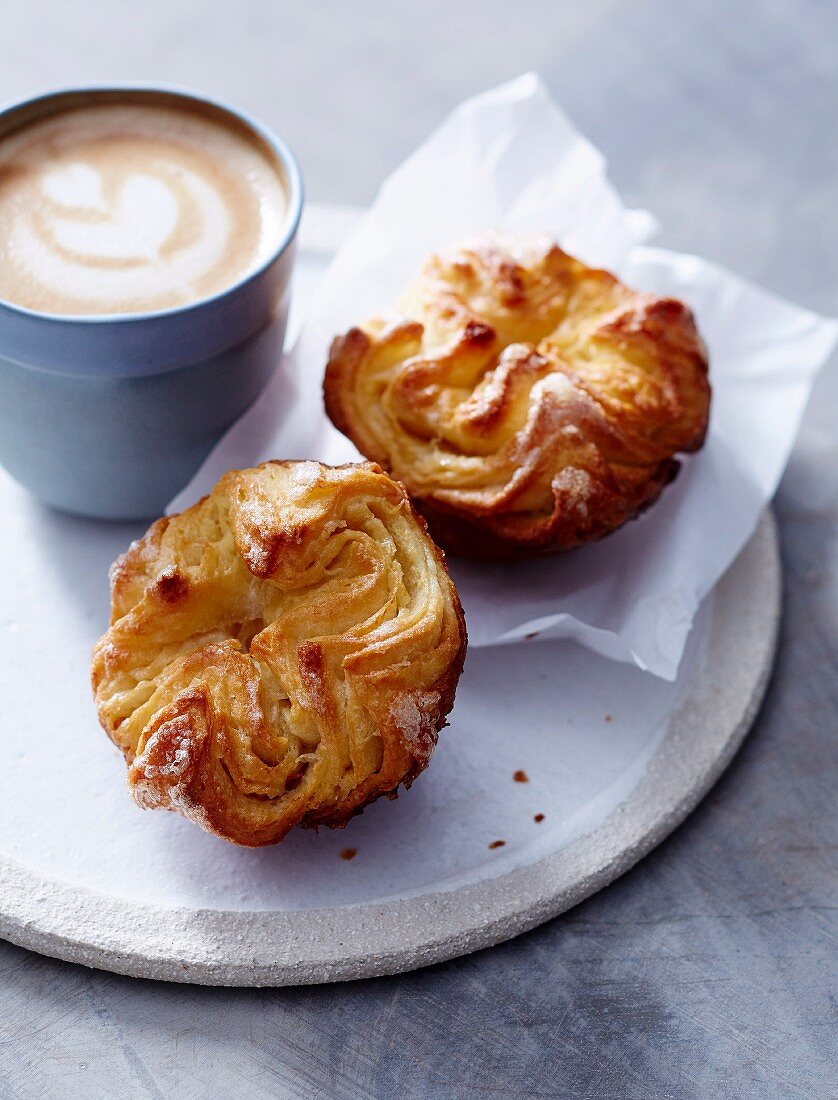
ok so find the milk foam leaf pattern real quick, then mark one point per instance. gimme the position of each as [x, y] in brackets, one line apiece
[528, 402]
[126, 208]
[282, 653]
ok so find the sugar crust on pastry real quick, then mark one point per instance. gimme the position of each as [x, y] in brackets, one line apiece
[529, 403]
[280, 654]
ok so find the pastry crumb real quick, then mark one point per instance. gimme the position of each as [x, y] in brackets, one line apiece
[349, 853]
[497, 844]
[609, 718]
[521, 776]
[538, 818]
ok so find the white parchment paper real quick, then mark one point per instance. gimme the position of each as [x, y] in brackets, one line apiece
[510, 159]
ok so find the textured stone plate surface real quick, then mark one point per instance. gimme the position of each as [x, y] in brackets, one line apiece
[615, 759]
[436, 920]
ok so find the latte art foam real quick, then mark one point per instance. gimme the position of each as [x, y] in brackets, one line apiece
[124, 208]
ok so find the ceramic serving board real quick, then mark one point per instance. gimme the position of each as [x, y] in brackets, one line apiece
[612, 759]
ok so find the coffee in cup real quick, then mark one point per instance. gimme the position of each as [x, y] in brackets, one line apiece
[146, 250]
[119, 207]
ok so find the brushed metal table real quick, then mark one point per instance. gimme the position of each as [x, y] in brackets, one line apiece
[710, 969]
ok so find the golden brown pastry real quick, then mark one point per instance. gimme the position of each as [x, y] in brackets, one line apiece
[282, 653]
[529, 403]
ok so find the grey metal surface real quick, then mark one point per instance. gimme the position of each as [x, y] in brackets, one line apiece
[707, 971]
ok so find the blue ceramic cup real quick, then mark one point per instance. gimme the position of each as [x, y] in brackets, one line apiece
[109, 415]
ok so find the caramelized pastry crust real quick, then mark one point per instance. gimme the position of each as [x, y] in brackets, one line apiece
[280, 654]
[529, 403]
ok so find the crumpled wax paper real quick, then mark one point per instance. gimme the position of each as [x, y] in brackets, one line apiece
[510, 159]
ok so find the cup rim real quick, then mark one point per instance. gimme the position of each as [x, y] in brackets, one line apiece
[278, 146]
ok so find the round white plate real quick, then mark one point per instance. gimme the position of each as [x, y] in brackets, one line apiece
[615, 759]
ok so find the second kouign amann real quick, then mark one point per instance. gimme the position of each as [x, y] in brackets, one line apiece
[282, 653]
[529, 403]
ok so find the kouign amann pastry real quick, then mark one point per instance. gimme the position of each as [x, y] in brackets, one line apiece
[528, 402]
[282, 653]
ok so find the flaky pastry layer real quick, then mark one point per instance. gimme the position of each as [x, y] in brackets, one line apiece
[528, 402]
[282, 653]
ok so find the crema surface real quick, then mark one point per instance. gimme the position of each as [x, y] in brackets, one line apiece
[124, 208]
